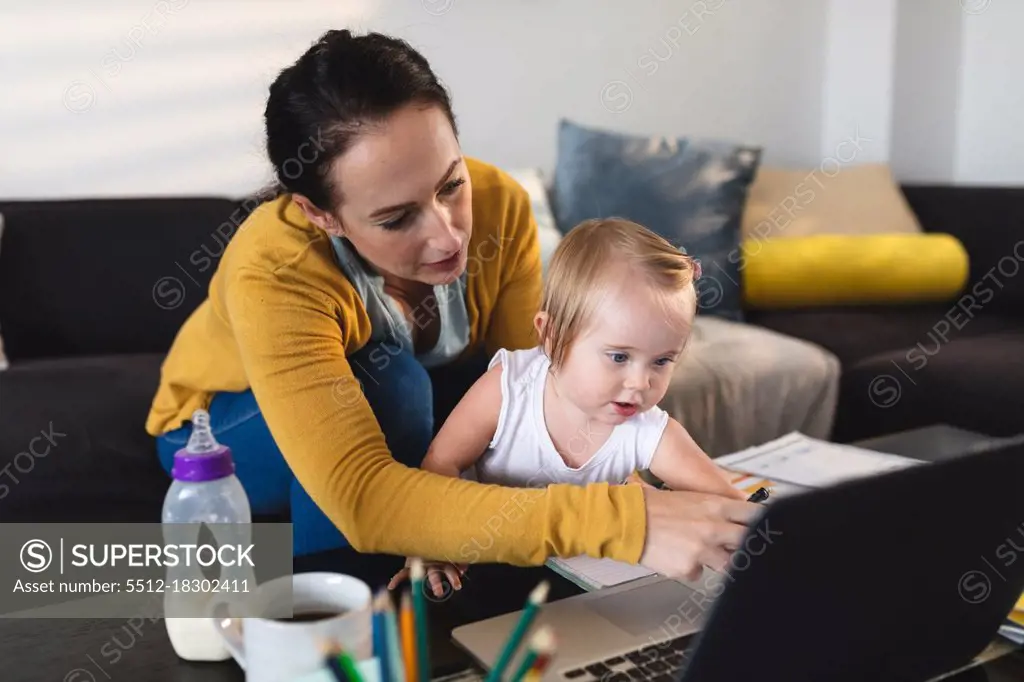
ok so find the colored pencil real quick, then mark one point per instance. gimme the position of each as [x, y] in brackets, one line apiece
[537, 597]
[349, 666]
[541, 644]
[380, 636]
[334, 663]
[408, 638]
[417, 575]
[394, 644]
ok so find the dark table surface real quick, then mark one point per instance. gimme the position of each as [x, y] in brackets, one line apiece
[116, 650]
[101, 650]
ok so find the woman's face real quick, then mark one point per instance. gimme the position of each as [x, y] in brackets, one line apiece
[406, 199]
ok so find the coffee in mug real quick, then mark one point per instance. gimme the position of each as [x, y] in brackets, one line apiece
[300, 613]
[310, 616]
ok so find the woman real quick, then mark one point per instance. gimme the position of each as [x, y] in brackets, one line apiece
[386, 266]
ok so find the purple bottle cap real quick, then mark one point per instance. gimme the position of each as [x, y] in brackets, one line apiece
[203, 466]
[203, 458]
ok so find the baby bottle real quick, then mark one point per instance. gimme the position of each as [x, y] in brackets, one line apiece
[204, 490]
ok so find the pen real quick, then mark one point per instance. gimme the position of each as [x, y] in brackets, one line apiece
[760, 495]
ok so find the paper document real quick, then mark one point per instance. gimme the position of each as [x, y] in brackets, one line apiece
[804, 461]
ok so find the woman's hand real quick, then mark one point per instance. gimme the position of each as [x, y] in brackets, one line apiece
[687, 531]
[436, 571]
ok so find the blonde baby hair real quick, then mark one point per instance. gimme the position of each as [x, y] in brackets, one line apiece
[599, 255]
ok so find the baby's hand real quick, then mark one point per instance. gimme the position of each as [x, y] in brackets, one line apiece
[436, 571]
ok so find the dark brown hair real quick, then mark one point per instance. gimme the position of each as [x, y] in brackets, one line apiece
[342, 84]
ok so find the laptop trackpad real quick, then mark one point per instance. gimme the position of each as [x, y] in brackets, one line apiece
[664, 605]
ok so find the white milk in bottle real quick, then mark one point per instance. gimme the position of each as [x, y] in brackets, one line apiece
[205, 490]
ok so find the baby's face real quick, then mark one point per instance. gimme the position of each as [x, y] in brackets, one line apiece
[623, 363]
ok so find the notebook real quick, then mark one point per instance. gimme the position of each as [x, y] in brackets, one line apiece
[594, 574]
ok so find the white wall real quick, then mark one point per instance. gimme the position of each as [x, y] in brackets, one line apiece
[143, 97]
[129, 97]
[990, 133]
[926, 91]
[857, 85]
[744, 71]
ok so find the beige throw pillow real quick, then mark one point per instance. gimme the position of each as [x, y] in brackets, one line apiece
[831, 199]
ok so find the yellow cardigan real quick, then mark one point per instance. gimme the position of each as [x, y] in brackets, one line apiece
[281, 318]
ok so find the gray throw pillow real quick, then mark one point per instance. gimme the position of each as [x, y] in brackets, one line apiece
[690, 191]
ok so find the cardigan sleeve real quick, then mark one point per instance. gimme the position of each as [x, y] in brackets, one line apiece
[521, 280]
[292, 343]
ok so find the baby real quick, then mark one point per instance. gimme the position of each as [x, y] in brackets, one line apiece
[582, 406]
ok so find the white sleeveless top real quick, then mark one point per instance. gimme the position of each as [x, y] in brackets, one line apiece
[522, 453]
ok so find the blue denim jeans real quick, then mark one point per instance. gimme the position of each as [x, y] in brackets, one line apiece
[403, 398]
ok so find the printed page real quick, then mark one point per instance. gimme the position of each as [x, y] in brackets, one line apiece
[803, 461]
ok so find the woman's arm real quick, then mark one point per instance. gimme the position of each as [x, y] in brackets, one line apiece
[293, 352]
[681, 464]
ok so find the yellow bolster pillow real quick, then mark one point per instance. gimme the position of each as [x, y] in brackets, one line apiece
[852, 270]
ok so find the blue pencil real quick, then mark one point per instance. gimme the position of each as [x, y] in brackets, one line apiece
[417, 576]
[380, 636]
[394, 645]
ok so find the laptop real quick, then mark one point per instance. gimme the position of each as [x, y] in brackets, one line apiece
[899, 576]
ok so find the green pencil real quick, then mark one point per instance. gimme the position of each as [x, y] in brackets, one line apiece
[419, 607]
[541, 644]
[339, 662]
[536, 598]
[349, 666]
[395, 665]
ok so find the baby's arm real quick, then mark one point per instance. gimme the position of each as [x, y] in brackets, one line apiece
[459, 443]
[469, 429]
[682, 465]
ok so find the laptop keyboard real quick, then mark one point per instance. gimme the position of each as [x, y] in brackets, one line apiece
[653, 662]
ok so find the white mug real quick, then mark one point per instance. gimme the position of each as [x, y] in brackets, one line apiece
[272, 650]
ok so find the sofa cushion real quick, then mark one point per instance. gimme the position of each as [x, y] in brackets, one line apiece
[100, 276]
[858, 199]
[973, 383]
[73, 443]
[987, 221]
[533, 181]
[738, 385]
[690, 191]
[833, 269]
[856, 333]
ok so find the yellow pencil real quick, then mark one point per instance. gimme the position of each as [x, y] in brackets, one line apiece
[408, 638]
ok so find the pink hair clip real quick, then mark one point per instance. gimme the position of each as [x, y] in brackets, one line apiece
[696, 269]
